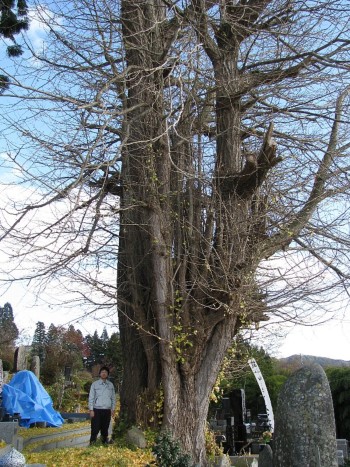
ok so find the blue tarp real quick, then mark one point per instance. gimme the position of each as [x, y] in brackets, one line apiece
[25, 395]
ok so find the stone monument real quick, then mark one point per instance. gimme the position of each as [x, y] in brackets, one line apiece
[35, 366]
[304, 421]
[20, 362]
[266, 457]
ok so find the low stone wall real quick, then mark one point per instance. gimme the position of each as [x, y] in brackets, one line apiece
[75, 417]
[9, 433]
[66, 438]
[79, 441]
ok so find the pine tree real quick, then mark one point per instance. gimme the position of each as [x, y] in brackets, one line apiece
[96, 349]
[104, 342]
[9, 330]
[11, 24]
[39, 339]
[114, 357]
[339, 382]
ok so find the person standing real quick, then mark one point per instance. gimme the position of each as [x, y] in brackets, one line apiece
[101, 405]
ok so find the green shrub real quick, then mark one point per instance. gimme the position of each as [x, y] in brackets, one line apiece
[6, 365]
[120, 427]
[87, 386]
[168, 452]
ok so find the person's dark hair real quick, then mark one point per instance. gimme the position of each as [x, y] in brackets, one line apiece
[104, 368]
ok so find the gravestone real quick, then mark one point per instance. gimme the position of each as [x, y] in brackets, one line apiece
[20, 360]
[304, 421]
[340, 457]
[35, 366]
[266, 457]
[342, 444]
[9, 433]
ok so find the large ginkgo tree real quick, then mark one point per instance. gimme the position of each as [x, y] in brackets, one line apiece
[190, 159]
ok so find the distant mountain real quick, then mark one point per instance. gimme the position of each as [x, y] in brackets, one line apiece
[296, 361]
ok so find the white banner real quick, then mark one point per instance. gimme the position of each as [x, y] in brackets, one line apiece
[261, 382]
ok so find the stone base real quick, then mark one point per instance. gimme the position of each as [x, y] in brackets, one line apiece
[8, 432]
[244, 461]
[10, 457]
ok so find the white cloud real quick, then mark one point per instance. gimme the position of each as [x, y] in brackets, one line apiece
[51, 300]
[41, 17]
[57, 301]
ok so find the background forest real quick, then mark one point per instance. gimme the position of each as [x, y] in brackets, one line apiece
[70, 362]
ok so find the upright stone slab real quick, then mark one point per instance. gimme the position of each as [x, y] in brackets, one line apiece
[304, 422]
[342, 444]
[20, 362]
[35, 366]
[8, 431]
[266, 457]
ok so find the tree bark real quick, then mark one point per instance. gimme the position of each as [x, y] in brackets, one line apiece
[177, 319]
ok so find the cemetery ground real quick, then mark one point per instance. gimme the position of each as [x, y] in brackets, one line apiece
[305, 431]
[90, 456]
[118, 454]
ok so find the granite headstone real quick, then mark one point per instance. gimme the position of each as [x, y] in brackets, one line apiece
[304, 421]
[266, 457]
[35, 366]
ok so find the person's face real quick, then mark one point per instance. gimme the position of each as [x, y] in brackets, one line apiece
[104, 374]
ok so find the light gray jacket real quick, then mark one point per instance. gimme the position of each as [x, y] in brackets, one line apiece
[102, 395]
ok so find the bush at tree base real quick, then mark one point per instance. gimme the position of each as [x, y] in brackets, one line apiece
[168, 452]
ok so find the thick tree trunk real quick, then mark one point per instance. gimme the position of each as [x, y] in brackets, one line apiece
[143, 162]
[187, 389]
[185, 249]
[135, 374]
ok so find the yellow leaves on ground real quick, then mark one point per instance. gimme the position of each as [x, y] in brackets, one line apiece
[101, 456]
[91, 456]
[31, 432]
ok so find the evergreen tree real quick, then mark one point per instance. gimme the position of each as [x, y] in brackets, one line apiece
[52, 366]
[104, 343]
[114, 357]
[53, 336]
[96, 349]
[339, 382]
[11, 23]
[39, 340]
[9, 330]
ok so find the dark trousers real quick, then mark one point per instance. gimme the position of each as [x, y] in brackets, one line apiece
[100, 422]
